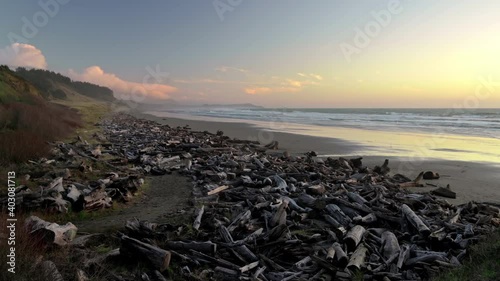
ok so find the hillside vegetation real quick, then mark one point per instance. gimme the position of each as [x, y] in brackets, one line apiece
[56, 86]
[28, 120]
[13, 89]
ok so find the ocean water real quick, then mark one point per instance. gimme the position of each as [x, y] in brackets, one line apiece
[467, 122]
[413, 134]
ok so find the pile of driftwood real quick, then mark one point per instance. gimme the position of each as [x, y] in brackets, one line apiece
[263, 214]
[62, 183]
[267, 215]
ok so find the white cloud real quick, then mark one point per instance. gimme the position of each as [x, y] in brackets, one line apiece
[123, 89]
[312, 75]
[230, 68]
[23, 55]
[316, 76]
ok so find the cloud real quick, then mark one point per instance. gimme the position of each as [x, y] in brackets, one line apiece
[230, 68]
[270, 90]
[208, 81]
[22, 55]
[123, 89]
[281, 85]
[311, 75]
[316, 76]
[294, 83]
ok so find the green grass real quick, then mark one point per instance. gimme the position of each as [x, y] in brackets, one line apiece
[482, 264]
[103, 249]
[91, 112]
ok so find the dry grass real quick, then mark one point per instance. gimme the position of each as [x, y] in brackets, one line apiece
[482, 264]
[26, 129]
[30, 253]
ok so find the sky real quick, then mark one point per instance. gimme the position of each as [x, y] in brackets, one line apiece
[314, 53]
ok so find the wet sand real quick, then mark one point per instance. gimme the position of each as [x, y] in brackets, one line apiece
[471, 180]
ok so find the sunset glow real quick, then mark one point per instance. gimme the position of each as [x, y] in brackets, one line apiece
[370, 53]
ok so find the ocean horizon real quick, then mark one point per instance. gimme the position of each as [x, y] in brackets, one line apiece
[481, 122]
[416, 134]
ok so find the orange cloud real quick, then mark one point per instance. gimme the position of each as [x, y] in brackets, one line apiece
[22, 55]
[294, 83]
[123, 89]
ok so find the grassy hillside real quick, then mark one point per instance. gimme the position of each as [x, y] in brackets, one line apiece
[28, 121]
[13, 89]
[56, 86]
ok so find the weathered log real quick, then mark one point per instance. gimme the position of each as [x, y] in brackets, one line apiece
[390, 244]
[469, 230]
[76, 198]
[281, 184]
[242, 217]
[353, 237]
[249, 267]
[226, 273]
[97, 199]
[425, 258]
[218, 261]
[56, 185]
[50, 232]
[444, 192]
[368, 219]
[136, 228]
[56, 202]
[240, 250]
[204, 247]
[334, 211]
[355, 197]
[217, 190]
[404, 254]
[384, 169]
[254, 235]
[272, 145]
[280, 216]
[133, 248]
[357, 259]
[340, 255]
[429, 175]
[305, 264]
[414, 183]
[330, 254]
[316, 189]
[199, 214]
[415, 220]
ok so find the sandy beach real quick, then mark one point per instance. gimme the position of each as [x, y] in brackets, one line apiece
[472, 181]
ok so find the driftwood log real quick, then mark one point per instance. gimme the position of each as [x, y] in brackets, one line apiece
[133, 248]
[50, 233]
